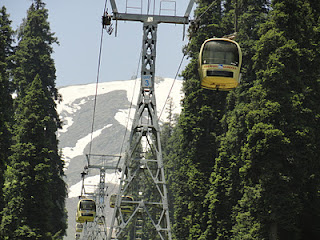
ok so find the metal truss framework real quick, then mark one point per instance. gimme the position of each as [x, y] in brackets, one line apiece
[97, 230]
[146, 215]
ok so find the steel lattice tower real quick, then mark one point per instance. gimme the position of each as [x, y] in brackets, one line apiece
[146, 215]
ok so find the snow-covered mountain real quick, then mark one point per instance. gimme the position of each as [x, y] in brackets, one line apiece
[108, 127]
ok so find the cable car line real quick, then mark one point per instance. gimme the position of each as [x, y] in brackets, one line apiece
[83, 191]
[97, 84]
[129, 113]
[205, 69]
[165, 102]
[195, 21]
[236, 72]
[82, 215]
[98, 73]
[213, 2]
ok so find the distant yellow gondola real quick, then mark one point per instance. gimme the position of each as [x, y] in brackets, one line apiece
[101, 220]
[86, 210]
[219, 64]
[126, 207]
[79, 227]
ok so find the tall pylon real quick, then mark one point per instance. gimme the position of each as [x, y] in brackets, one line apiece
[141, 207]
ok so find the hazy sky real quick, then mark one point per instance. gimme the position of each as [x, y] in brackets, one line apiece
[77, 25]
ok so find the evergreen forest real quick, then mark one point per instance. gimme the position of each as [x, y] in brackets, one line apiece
[245, 164]
[240, 164]
[32, 189]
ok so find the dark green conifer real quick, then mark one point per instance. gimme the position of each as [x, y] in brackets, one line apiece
[264, 137]
[28, 178]
[5, 93]
[226, 185]
[34, 51]
[199, 125]
[35, 163]
[280, 153]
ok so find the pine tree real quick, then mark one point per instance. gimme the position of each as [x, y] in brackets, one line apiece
[265, 179]
[176, 180]
[27, 189]
[34, 51]
[280, 153]
[6, 100]
[226, 185]
[34, 73]
[199, 125]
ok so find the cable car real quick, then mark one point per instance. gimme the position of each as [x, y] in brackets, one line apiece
[101, 220]
[86, 211]
[79, 227]
[219, 64]
[126, 207]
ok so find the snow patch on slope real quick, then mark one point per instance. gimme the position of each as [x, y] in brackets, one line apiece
[78, 150]
[72, 93]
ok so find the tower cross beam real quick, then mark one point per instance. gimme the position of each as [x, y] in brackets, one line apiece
[150, 18]
[115, 9]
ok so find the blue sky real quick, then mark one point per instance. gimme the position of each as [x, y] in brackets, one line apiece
[77, 25]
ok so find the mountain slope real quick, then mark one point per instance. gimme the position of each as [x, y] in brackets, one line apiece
[109, 127]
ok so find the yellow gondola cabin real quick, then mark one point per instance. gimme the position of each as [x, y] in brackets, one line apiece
[86, 210]
[126, 206]
[219, 64]
[79, 227]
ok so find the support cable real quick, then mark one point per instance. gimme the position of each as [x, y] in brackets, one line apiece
[148, 7]
[196, 20]
[172, 85]
[97, 84]
[131, 102]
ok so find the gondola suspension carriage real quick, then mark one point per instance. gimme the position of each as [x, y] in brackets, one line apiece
[86, 208]
[219, 64]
